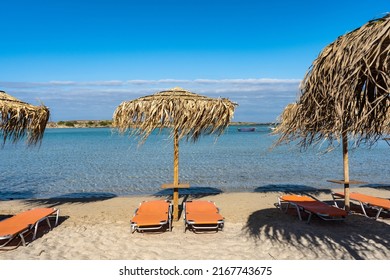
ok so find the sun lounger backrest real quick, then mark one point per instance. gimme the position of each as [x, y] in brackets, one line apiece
[154, 206]
[314, 206]
[12, 226]
[202, 215]
[376, 201]
[23, 222]
[34, 215]
[201, 206]
[297, 198]
[151, 215]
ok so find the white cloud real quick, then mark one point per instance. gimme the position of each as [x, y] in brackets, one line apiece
[98, 99]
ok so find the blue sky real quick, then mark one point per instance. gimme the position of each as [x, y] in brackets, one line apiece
[82, 58]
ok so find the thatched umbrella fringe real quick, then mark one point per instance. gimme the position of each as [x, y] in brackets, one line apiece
[19, 119]
[344, 93]
[188, 115]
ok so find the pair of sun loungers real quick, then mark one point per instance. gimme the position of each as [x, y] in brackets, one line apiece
[312, 206]
[22, 224]
[157, 215]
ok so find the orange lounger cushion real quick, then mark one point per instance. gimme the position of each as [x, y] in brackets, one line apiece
[312, 206]
[23, 222]
[8, 227]
[204, 218]
[202, 215]
[372, 200]
[378, 203]
[151, 215]
[202, 212]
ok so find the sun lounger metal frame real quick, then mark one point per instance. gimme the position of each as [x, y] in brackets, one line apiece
[28, 226]
[135, 227]
[196, 227]
[301, 207]
[363, 204]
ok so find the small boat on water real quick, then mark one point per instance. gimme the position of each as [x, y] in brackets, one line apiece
[246, 129]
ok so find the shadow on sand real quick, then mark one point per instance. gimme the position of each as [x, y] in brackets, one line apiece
[10, 195]
[188, 194]
[71, 198]
[377, 186]
[291, 188]
[3, 217]
[319, 235]
[192, 192]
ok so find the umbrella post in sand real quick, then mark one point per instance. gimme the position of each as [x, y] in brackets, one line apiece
[346, 170]
[345, 94]
[176, 174]
[19, 119]
[187, 114]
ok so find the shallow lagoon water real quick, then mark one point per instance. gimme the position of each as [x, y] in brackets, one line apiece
[97, 162]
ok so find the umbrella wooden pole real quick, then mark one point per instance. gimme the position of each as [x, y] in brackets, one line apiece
[176, 176]
[346, 171]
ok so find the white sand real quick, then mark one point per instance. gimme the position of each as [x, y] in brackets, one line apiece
[254, 229]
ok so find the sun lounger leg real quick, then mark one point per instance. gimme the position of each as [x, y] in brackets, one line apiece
[363, 209]
[334, 200]
[298, 211]
[35, 231]
[379, 212]
[57, 216]
[309, 219]
[281, 206]
[287, 206]
[335, 197]
[48, 223]
[22, 238]
[170, 216]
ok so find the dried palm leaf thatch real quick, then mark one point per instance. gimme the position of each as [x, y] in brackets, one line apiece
[187, 113]
[19, 119]
[346, 90]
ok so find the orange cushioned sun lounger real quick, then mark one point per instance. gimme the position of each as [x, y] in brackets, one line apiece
[152, 216]
[312, 207]
[23, 223]
[202, 215]
[367, 201]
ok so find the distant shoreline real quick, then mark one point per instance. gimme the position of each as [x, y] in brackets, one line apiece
[108, 123]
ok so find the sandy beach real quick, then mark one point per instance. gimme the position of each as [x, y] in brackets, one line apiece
[254, 229]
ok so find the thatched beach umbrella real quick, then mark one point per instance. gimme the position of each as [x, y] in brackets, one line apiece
[345, 93]
[188, 115]
[19, 119]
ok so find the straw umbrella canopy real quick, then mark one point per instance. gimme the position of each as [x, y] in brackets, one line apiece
[344, 94]
[187, 114]
[19, 119]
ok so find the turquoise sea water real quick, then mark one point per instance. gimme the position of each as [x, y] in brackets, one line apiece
[94, 162]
